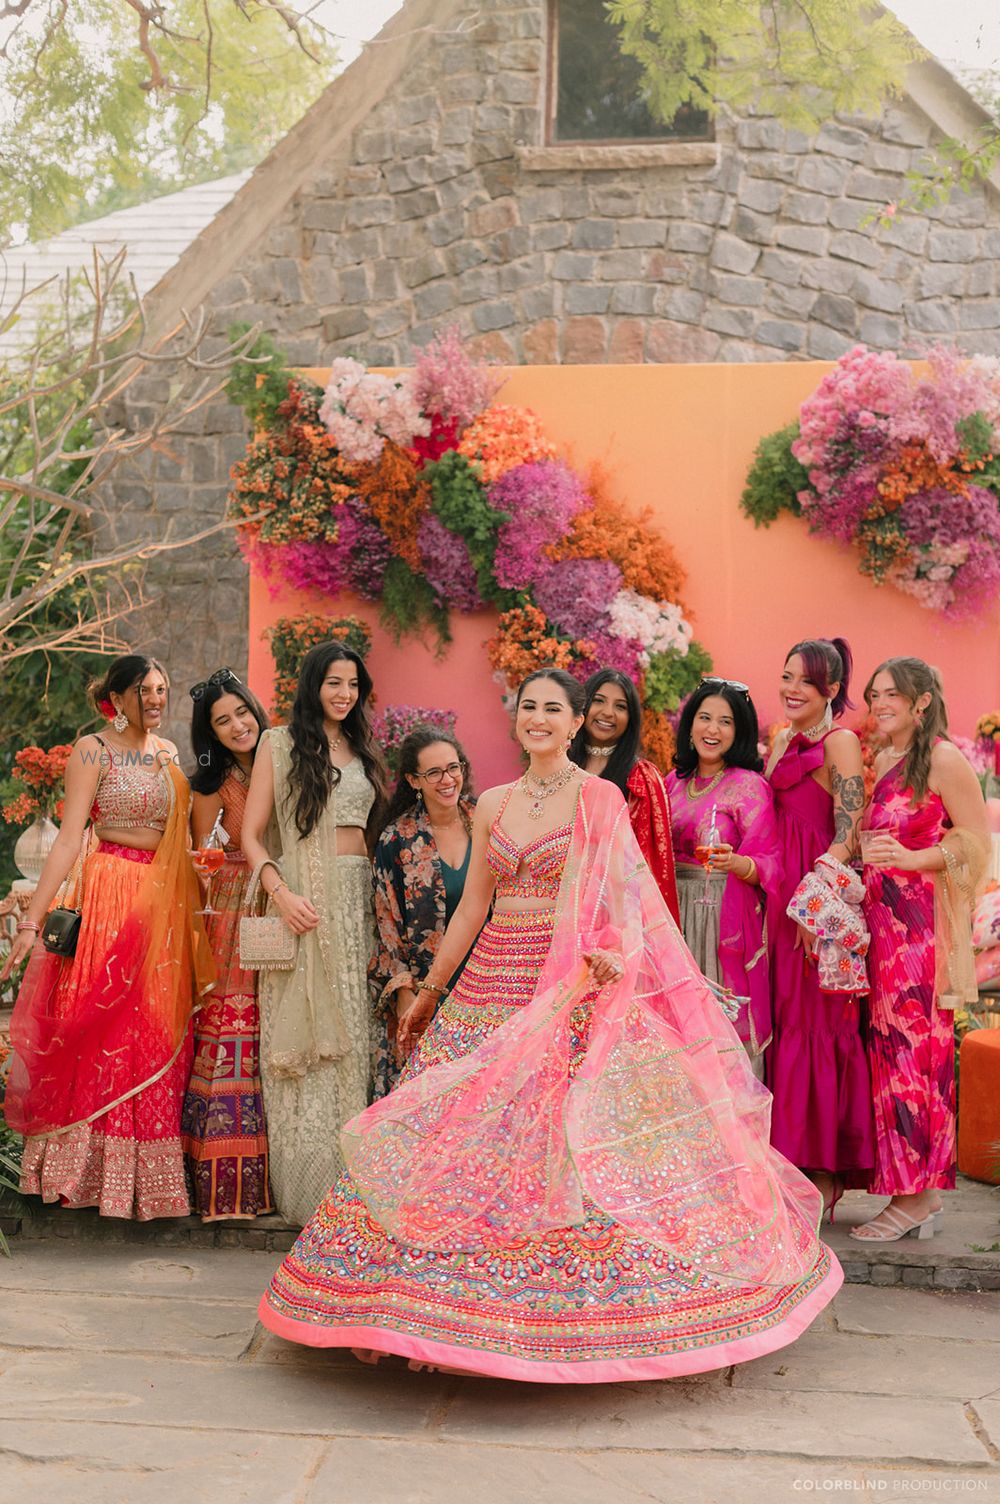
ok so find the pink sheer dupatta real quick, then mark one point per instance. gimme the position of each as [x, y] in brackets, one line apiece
[658, 1122]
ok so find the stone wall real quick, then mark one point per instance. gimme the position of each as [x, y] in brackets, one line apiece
[444, 209]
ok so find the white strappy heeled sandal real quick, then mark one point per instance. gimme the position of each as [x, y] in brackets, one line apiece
[895, 1224]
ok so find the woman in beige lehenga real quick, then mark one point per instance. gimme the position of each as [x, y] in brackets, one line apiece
[321, 779]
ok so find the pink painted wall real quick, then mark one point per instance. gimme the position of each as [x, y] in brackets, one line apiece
[680, 439]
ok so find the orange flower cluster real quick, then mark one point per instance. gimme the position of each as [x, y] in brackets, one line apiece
[658, 740]
[21, 809]
[40, 769]
[34, 778]
[607, 530]
[503, 437]
[988, 727]
[397, 498]
[292, 474]
[523, 642]
[915, 470]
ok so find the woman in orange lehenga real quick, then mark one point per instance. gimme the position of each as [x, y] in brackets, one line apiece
[101, 1042]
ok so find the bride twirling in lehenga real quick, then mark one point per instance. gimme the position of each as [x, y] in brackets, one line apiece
[573, 1181]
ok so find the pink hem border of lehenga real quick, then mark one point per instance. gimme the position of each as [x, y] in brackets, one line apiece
[496, 1366]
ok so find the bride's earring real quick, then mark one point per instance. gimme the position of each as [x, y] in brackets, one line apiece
[120, 721]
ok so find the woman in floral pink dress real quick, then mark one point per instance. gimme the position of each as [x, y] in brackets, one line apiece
[928, 823]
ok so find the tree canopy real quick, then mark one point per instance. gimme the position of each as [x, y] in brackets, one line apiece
[100, 108]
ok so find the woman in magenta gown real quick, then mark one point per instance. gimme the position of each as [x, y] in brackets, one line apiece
[816, 1067]
[928, 821]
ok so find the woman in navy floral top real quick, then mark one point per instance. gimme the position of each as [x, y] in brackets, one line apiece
[420, 864]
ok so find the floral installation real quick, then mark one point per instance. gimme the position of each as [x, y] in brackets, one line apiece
[901, 465]
[35, 787]
[987, 734]
[427, 495]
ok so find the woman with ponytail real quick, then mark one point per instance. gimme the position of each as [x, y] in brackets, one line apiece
[323, 779]
[815, 1065]
[925, 847]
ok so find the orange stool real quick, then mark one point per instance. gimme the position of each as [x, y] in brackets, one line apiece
[979, 1105]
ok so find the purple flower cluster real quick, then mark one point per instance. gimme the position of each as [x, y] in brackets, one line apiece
[356, 559]
[847, 489]
[575, 594]
[541, 500]
[956, 548]
[621, 653]
[447, 565]
[392, 725]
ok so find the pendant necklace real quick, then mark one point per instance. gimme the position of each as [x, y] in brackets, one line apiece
[545, 787]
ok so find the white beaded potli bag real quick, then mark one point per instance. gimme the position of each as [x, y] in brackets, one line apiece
[266, 942]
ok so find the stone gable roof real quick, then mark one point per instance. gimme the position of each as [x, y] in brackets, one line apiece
[321, 141]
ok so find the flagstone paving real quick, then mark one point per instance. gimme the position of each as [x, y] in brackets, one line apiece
[135, 1374]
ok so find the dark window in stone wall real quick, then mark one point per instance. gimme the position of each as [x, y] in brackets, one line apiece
[595, 91]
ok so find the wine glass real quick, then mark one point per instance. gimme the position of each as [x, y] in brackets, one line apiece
[207, 859]
[710, 839]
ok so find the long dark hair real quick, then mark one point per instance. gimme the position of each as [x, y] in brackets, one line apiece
[124, 674]
[313, 776]
[827, 660]
[913, 678]
[619, 765]
[744, 753]
[213, 759]
[404, 796]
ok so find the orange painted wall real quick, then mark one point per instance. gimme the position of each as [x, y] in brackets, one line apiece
[680, 440]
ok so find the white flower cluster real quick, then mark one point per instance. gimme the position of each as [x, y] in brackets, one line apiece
[361, 410]
[658, 625]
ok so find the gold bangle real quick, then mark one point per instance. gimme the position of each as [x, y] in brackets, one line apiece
[751, 873]
[428, 986]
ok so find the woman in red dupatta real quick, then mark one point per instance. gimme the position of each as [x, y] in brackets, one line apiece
[607, 745]
[101, 1040]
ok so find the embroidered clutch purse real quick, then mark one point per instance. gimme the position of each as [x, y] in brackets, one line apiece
[266, 942]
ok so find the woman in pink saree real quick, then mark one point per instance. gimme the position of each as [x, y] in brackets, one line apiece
[573, 1182]
[718, 774]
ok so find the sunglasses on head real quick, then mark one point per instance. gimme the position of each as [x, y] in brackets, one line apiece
[221, 676]
[743, 689]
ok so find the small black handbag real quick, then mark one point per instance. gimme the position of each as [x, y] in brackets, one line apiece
[61, 931]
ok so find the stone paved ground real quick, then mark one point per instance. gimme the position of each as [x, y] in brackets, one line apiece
[135, 1374]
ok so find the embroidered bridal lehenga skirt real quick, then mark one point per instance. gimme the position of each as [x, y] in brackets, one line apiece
[583, 1304]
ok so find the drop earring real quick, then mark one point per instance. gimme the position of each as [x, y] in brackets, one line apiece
[120, 721]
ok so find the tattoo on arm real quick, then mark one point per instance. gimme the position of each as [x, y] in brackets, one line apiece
[848, 800]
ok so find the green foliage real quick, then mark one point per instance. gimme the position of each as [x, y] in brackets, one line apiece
[975, 434]
[261, 387]
[802, 61]
[671, 677]
[460, 500]
[85, 135]
[775, 478]
[409, 605]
